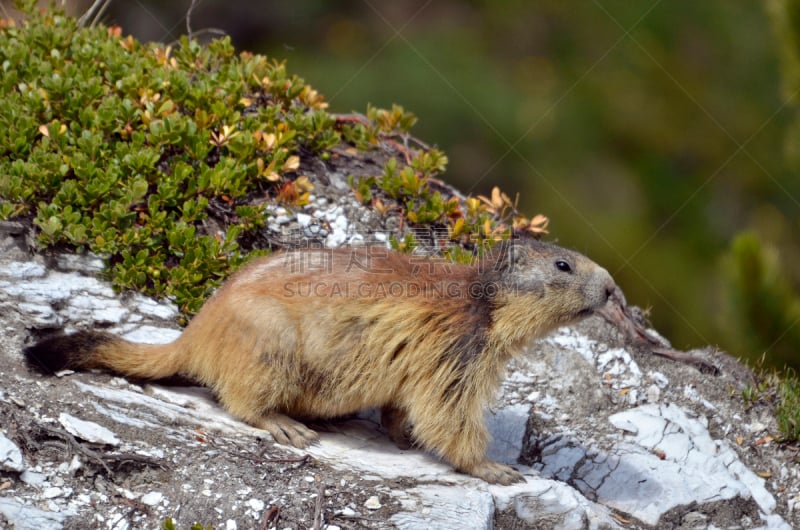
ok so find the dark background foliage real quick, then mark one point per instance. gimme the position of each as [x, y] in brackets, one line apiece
[659, 137]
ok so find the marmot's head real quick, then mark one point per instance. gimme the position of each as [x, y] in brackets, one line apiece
[562, 284]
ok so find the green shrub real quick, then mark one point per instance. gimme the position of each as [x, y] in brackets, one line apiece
[124, 149]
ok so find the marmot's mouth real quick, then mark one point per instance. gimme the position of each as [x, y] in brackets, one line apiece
[578, 315]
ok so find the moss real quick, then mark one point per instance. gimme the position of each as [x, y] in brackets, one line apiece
[160, 158]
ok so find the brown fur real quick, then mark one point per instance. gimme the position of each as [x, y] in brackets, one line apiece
[320, 333]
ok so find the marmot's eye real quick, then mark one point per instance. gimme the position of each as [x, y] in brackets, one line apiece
[563, 266]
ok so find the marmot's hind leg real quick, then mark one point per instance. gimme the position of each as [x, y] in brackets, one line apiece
[395, 421]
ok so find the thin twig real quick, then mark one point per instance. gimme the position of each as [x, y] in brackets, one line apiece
[189, 19]
[100, 13]
[271, 517]
[318, 504]
[617, 313]
[102, 459]
[90, 13]
[74, 443]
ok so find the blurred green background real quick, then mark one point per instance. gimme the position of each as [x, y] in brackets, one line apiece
[660, 137]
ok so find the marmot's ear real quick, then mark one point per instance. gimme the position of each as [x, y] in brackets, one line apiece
[506, 255]
[510, 254]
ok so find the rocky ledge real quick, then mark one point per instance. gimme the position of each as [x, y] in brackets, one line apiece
[606, 437]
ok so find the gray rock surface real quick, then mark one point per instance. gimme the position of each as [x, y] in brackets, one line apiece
[606, 438]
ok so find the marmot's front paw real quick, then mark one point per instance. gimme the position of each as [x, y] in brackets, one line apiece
[495, 473]
[287, 431]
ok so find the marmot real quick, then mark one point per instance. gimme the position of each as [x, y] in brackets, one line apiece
[324, 333]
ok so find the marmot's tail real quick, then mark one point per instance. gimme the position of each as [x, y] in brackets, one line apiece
[93, 349]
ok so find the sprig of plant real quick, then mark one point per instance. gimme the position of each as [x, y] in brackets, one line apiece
[781, 390]
[787, 410]
[365, 132]
[475, 223]
[169, 524]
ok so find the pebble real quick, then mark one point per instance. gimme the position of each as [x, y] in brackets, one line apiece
[153, 498]
[303, 219]
[32, 478]
[52, 493]
[256, 504]
[10, 455]
[756, 427]
[348, 512]
[87, 430]
[373, 503]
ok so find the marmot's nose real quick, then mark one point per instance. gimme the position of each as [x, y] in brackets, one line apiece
[610, 288]
[607, 283]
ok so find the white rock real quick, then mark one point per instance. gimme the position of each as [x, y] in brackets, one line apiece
[756, 427]
[653, 394]
[10, 455]
[41, 313]
[256, 504]
[52, 493]
[74, 464]
[91, 263]
[33, 478]
[110, 314]
[153, 498]
[335, 238]
[446, 508]
[348, 512]
[87, 430]
[230, 524]
[128, 494]
[152, 335]
[341, 223]
[508, 429]
[333, 213]
[23, 270]
[693, 468]
[24, 517]
[303, 219]
[658, 378]
[373, 503]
